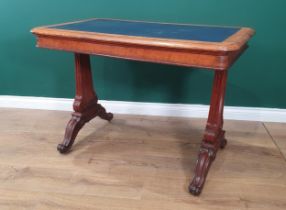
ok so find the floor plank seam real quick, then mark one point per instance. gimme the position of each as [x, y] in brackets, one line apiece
[273, 140]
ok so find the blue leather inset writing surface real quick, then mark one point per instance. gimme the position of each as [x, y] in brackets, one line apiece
[153, 30]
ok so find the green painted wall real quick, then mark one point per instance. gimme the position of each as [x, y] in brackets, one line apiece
[257, 79]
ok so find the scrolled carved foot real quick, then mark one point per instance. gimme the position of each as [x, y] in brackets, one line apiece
[106, 116]
[223, 143]
[63, 149]
[195, 190]
[103, 114]
[72, 129]
[206, 157]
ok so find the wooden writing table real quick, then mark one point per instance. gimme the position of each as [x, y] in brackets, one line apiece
[209, 47]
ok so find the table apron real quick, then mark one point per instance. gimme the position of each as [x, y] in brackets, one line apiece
[164, 55]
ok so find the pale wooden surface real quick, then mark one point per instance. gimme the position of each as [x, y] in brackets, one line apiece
[278, 133]
[136, 162]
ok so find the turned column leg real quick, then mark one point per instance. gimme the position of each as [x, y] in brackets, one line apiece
[214, 133]
[85, 105]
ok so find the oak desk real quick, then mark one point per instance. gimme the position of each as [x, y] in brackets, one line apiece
[210, 47]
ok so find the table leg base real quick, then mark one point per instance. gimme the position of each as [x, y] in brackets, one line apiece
[223, 143]
[205, 159]
[77, 121]
[63, 148]
[103, 114]
[206, 156]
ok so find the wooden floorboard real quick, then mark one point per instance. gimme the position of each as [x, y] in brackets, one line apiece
[137, 163]
[278, 133]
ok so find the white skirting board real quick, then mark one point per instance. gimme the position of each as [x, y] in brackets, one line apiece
[154, 109]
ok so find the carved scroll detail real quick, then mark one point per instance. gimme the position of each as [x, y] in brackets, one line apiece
[205, 158]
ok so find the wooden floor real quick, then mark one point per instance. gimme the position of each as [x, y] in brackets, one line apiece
[137, 162]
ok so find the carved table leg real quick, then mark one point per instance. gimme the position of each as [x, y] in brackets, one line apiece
[214, 134]
[85, 105]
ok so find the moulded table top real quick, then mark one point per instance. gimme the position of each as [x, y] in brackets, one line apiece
[187, 36]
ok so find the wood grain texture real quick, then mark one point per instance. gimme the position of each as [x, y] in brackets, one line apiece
[210, 55]
[278, 134]
[135, 163]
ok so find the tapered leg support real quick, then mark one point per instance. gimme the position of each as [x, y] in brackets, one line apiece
[85, 105]
[214, 136]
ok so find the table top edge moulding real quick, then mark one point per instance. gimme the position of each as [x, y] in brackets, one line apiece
[214, 55]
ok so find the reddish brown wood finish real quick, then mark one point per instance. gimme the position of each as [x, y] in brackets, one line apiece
[215, 56]
[214, 133]
[85, 105]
